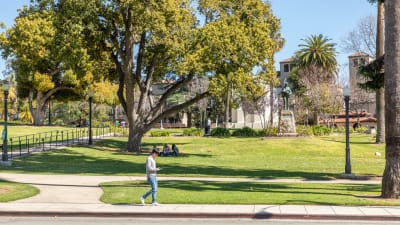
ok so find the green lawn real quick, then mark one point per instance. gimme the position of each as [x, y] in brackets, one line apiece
[21, 130]
[10, 191]
[198, 192]
[311, 158]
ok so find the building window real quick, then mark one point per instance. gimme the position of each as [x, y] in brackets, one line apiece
[355, 62]
[362, 61]
[286, 68]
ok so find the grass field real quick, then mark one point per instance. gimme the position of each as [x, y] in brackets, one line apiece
[310, 158]
[10, 191]
[201, 192]
[22, 130]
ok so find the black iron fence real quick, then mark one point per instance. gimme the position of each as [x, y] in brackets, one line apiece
[21, 145]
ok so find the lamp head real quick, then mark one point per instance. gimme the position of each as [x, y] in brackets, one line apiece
[346, 91]
[6, 85]
[90, 93]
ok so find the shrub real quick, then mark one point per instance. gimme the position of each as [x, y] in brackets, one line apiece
[220, 132]
[321, 131]
[268, 132]
[361, 130]
[192, 132]
[245, 132]
[340, 130]
[159, 133]
[304, 130]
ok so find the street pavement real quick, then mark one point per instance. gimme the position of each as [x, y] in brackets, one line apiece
[76, 195]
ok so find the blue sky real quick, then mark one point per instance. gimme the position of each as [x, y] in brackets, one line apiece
[299, 19]
[332, 18]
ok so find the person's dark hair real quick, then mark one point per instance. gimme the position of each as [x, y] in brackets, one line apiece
[154, 151]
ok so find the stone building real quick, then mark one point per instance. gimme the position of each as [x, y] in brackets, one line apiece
[360, 100]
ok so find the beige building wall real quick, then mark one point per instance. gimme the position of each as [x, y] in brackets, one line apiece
[361, 100]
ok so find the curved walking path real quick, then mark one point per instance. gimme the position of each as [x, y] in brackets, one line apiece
[77, 195]
[85, 189]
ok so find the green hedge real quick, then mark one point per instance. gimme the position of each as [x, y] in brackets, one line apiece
[245, 132]
[270, 131]
[321, 131]
[220, 132]
[192, 132]
[160, 133]
[304, 130]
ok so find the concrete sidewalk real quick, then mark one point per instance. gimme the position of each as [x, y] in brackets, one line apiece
[74, 195]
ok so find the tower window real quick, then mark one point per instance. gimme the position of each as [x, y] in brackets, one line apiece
[286, 68]
[355, 62]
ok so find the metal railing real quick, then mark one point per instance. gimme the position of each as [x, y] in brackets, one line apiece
[46, 141]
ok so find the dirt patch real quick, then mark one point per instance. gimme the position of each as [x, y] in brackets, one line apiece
[4, 190]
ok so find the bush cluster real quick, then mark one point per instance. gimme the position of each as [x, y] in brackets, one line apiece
[321, 131]
[192, 132]
[220, 132]
[270, 132]
[304, 130]
[245, 132]
[160, 133]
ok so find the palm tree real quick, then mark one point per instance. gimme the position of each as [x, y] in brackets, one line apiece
[391, 175]
[316, 62]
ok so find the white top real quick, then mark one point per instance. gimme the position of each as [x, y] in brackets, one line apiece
[151, 167]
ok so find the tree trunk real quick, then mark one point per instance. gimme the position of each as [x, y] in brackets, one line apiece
[316, 118]
[38, 113]
[189, 119]
[380, 96]
[271, 106]
[227, 107]
[135, 138]
[380, 114]
[391, 175]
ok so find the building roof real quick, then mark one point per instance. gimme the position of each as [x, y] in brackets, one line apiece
[359, 53]
[287, 60]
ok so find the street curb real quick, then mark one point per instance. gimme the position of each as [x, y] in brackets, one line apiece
[261, 216]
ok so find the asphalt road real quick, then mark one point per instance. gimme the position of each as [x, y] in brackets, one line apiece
[130, 221]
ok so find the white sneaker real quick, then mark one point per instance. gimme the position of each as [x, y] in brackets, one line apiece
[154, 204]
[142, 201]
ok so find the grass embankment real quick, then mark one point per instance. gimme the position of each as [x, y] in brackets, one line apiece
[22, 130]
[206, 192]
[308, 158]
[10, 191]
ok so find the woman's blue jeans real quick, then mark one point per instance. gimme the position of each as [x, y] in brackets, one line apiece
[153, 182]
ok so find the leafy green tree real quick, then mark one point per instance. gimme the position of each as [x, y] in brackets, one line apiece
[316, 71]
[239, 36]
[155, 41]
[45, 59]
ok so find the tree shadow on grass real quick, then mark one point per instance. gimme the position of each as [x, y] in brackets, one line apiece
[351, 142]
[296, 193]
[67, 161]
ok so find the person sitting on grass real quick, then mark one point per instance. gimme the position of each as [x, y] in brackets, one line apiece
[166, 151]
[175, 150]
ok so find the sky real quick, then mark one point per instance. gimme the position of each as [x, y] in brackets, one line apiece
[299, 19]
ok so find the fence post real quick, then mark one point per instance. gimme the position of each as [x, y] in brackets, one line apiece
[67, 136]
[11, 147]
[51, 139]
[20, 146]
[56, 138]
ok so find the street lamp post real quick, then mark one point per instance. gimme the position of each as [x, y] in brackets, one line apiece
[4, 158]
[90, 93]
[346, 93]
